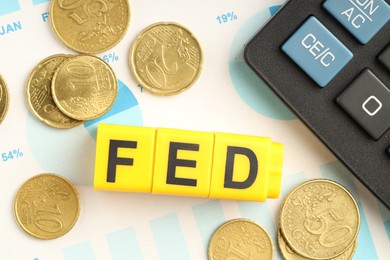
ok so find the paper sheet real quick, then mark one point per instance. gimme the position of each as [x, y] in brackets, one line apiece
[227, 97]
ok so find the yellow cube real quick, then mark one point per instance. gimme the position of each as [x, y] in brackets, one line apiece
[240, 167]
[183, 162]
[124, 158]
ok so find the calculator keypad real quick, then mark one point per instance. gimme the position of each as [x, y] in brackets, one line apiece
[351, 114]
[362, 18]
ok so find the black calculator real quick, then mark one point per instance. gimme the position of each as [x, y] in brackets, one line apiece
[329, 61]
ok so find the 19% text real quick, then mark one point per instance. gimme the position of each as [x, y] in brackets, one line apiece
[227, 17]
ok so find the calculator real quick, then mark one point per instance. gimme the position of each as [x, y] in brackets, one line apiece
[329, 61]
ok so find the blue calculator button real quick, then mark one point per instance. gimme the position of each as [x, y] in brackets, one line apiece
[362, 18]
[317, 51]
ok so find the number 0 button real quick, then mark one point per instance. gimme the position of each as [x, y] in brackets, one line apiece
[367, 100]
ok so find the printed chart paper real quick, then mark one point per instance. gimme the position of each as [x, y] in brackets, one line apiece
[228, 97]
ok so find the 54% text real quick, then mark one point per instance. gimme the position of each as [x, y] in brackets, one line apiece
[11, 155]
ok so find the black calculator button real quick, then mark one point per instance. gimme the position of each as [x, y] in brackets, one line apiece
[384, 57]
[367, 100]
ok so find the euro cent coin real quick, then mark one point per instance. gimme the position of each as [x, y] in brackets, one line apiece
[289, 254]
[90, 26]
[4, 99]
[166, 58]
[240, 239]
[39, 98]
[320, 219]
[84, 87]
[47, 206]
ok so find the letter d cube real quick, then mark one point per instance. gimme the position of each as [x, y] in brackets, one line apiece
[242, 169]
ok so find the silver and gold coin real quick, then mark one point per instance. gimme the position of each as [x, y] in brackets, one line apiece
[90, 26]
[39, 98]
[240, 239]
[320, 220]
[84, 87]
[166, 58]
[47, 206]
[4, 99]
[289, 254]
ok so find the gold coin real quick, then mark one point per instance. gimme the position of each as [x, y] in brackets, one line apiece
[240, 239]
[47, 206]
[4, 99]
[84, 87]
[289, 254]
[90, 26]
[320, 219]
[39, 98]
[166, 58]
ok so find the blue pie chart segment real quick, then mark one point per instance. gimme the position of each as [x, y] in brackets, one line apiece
[71, 152]
[252, 90]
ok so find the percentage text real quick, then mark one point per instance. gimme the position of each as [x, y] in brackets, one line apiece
[112, 57]
[11, 155]
[226, 17]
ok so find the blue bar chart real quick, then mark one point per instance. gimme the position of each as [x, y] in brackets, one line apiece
[10, 6]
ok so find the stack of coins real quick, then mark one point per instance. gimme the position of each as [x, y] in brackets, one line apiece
[240, 239]
[166, 58]
[4, 99]
[47, 206]
[319, 220]
[64, 90]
